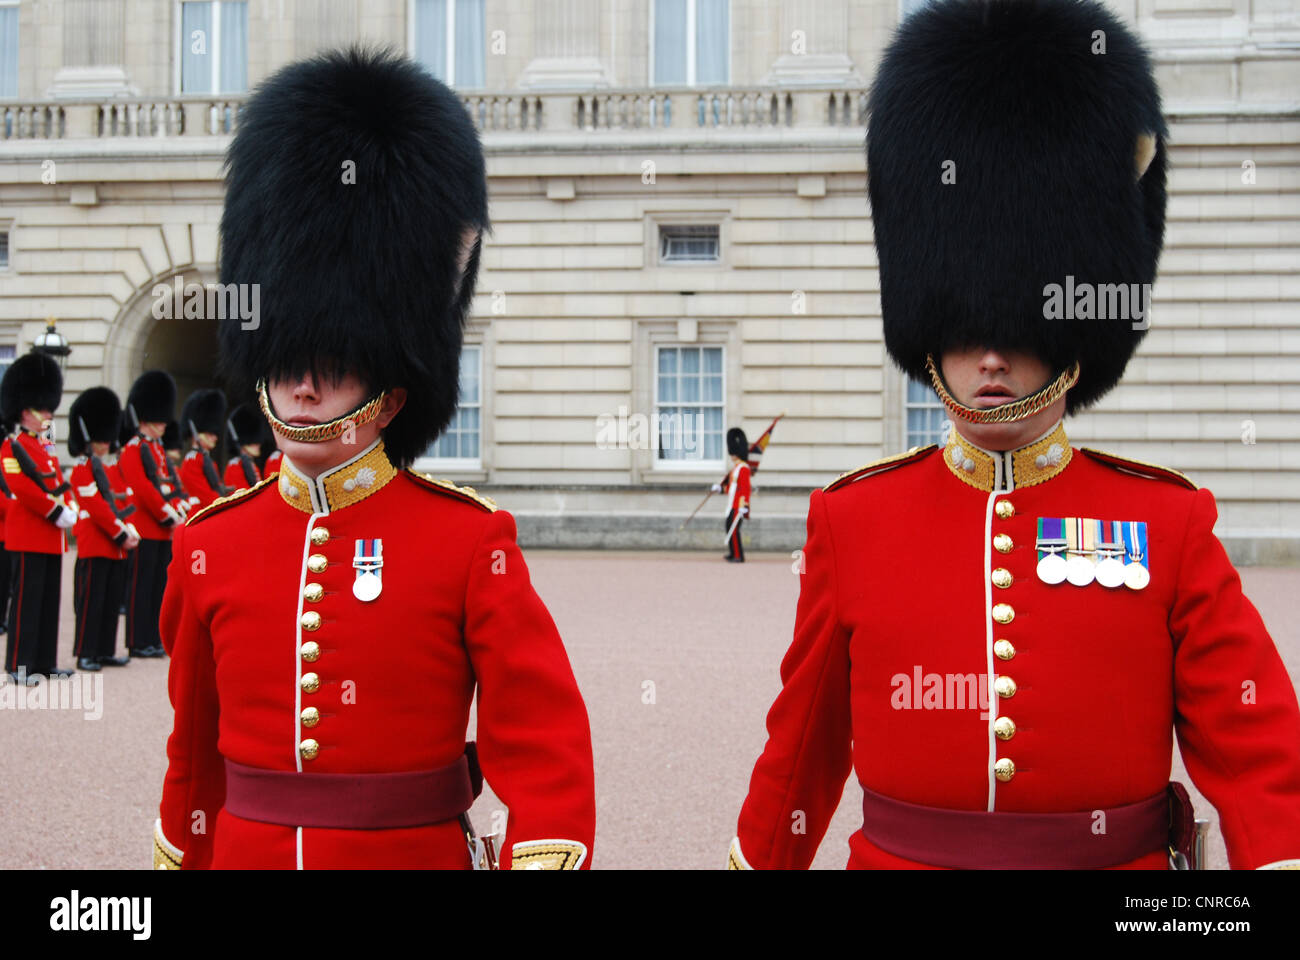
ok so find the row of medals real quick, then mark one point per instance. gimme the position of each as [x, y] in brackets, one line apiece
[1105, 565]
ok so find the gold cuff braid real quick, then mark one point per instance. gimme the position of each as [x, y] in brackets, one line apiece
[165, 856]
[1021, 409]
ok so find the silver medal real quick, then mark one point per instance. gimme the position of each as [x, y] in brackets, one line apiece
[367, 586]
[1110, 572]
[1079, 570]
[1051, 569]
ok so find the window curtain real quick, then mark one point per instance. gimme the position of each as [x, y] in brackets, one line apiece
[196, 68]
[471, 43]
[712, 41]
[234, 47]
[670, 42]
[431, 36]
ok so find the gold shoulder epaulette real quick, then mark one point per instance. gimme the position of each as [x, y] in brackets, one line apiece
[468, 494]
[880, 466]
[225, 501]
[1140, 467]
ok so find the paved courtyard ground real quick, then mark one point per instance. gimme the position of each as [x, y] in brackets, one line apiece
[670, 775]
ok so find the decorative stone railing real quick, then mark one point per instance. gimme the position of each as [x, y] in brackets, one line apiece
[516, 111]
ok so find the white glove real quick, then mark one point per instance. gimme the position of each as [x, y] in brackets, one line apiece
[130, 528]
[173, 514]
[66, 519]
[717, 488]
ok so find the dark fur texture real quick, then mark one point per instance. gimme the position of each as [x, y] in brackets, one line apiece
[152, 399]
[1043, 134]
[171, 438]
[737, 443]
[248, 423]
[98, 412]
[360, 277]
[204, 412]
[34, 381]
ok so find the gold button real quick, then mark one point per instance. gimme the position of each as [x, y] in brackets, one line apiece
[319, 535]
[1004, 769]
[1004, 509]
[310, 717]
[309, 748]
[313, 592]
[310, 620]
[1003, 613]
[1005, 687]
[317, 563]
[310, 683]
[1004, 728]
[1004, 649]
[311, 651]
[1002, 577]
[1002, 543]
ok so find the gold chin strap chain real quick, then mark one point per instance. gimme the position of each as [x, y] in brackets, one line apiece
[1021, 409]
[320, 432]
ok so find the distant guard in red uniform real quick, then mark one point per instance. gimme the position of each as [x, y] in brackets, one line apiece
[104, 531]
[737, 488]
[329, 648]
[38, 519]
[245, 428]
[161, 506]
[999, 635]
[202, 421]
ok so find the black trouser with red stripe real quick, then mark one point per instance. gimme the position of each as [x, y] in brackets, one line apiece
[97, 585]
[734, 548]
[4, 586]
[145, 584]
[33, 642]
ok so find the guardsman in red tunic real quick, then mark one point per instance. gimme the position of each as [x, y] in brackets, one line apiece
[325, 652]
[36, 523]
[6, 495]
[245, 428]
[998, 635]
[104, 532]
[202, 418]
[737, 488]
[161, 507]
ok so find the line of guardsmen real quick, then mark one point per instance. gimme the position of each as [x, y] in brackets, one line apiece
[130, 487]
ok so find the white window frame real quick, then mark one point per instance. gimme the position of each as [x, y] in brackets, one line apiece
[18, 75]
[687, 261]
[690, 44]
[214, 48]
[691, 466]
[909, 405]
[463, 464]
[449, 39]
[7, 228]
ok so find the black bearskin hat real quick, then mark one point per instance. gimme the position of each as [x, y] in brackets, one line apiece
[1001, 160]
[33, 381]
[152, 399]
[350, 182]
[737, 443]
[204, 412]
[94, 417]
[247, 424]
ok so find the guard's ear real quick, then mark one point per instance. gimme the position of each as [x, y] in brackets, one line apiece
[1145, 153]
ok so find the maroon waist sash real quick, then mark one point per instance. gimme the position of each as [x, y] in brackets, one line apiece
[351, 801]
[979, 840]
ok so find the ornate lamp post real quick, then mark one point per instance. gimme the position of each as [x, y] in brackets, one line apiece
[53, 344]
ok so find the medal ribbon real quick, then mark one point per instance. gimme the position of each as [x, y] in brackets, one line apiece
[1051, 531]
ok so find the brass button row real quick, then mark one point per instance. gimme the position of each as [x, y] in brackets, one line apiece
[1004, 728]
[310, 621]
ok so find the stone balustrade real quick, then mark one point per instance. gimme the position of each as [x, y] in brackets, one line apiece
[518, 112]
